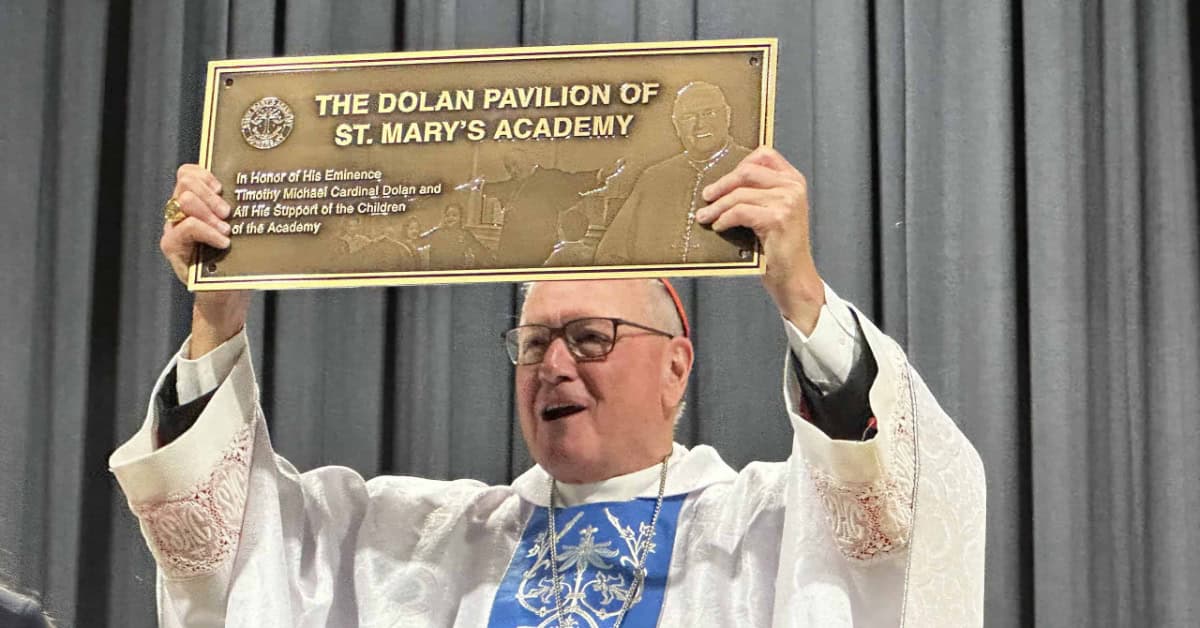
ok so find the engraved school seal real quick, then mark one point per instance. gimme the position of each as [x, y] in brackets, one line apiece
[267, 123]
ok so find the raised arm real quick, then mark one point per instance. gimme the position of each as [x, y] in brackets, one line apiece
[216, 316]
[239, 536]
[768, 195]
[903, 502]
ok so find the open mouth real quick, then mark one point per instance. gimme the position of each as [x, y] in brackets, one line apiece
[554, 413]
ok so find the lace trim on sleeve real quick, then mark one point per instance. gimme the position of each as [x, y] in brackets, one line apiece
[195, 530]
[871, 520]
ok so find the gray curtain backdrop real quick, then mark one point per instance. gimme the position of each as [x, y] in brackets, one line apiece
[1010, 190]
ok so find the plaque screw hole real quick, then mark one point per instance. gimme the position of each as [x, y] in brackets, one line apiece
[229, 82]
[753, 63]
[210, 267]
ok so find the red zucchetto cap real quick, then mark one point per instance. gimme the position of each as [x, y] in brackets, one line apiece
[687, 329]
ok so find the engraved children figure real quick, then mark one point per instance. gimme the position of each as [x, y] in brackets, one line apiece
[452, 246]
[571, 249]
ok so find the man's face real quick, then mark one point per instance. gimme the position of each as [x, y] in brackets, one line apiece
[701, 119]
[586, 421]
[450, 218]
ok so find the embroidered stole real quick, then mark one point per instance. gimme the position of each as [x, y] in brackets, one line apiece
[596, 555]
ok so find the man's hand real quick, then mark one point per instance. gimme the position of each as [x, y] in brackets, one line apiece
[216, 316]
[766, 194]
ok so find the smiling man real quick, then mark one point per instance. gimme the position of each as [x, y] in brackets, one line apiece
[616, 524]
[584, 416]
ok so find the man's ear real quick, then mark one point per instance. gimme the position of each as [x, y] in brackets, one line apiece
[677, 367]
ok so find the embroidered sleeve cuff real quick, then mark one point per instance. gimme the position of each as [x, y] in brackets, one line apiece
[190, 495]
[867, 488]
[147, 474]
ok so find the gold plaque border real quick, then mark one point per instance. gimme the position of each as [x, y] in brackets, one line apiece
[220, 69]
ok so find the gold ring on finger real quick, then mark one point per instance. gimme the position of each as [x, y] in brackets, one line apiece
[172, 212]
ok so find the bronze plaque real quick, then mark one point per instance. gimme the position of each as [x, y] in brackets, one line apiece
[481, 165]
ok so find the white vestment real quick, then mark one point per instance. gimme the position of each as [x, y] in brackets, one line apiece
[885, 532]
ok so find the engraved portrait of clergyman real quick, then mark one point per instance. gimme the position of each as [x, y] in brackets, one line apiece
[657, 223]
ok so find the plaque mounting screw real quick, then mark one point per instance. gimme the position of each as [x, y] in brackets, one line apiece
[229, 82]
[754, 61]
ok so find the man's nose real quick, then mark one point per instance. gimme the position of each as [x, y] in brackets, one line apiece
[557, 362]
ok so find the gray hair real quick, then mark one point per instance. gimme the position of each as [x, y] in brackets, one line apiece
[660, 309]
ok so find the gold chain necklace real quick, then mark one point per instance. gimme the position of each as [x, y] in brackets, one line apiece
[640, 548]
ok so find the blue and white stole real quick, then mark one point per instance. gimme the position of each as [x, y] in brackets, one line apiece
[596, 556]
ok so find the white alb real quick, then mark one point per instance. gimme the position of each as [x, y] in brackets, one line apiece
[881, 533]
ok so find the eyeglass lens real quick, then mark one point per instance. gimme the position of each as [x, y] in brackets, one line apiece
[587, 338]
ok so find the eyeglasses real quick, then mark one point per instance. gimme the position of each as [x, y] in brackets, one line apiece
[586, 338]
